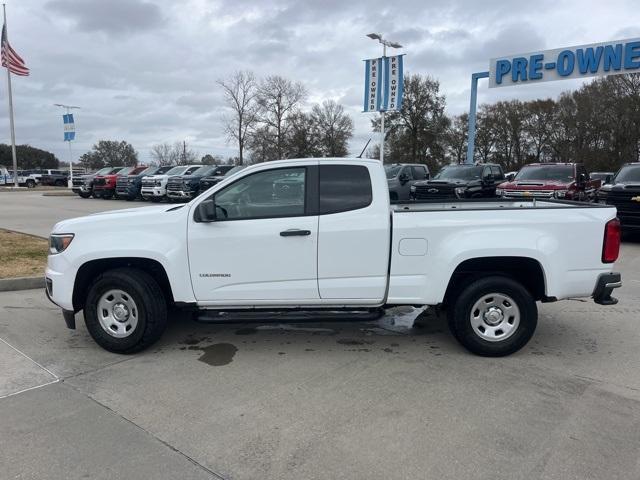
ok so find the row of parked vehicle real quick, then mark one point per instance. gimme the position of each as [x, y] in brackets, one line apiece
[153, 183]
[566, 181]
[33, 178]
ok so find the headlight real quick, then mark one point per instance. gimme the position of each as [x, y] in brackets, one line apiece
[158, 183]
[58, 242]
[412, 188]
[560, 193]
[460, 191]
[499, 192]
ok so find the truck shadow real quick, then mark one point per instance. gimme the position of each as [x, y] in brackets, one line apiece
[399, 331]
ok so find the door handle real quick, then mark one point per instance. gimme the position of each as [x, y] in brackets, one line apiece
[294, 232]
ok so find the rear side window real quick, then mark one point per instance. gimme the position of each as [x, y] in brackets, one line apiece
[344, 188]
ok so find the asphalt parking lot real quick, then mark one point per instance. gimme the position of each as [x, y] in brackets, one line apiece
[377, 400]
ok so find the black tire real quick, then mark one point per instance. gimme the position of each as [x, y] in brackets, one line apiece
[107, 196]
[460, 316]
[150, 303]
[85, 194]
[31, 183]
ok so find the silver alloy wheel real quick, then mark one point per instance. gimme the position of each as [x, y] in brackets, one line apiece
[117, 313]
[495, 317]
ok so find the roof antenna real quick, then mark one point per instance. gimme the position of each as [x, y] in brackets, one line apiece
[365, 147]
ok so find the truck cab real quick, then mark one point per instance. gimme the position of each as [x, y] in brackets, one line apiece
[568, 181]
[402, 176]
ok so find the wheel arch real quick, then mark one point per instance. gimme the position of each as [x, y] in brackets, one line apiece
[91, 269]
[528, 271]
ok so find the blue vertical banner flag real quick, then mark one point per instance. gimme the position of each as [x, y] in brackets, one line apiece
[393, 83]
[372, 84]
[69, 127]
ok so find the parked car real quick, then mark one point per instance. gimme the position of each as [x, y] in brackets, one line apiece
[604, 177]
[129, 186]
[460, 181]
[624, 193]
[56, 178]
[154, 187]
[402, 176]
[215, 176]
[551, 180]
[83, 184]
[338, 243]
[187, 185]
[104, 186]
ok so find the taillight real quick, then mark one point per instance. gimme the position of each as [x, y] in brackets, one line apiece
[611, 245]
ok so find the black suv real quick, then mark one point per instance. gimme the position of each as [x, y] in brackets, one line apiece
[624, 193]
[402, 176]
[460, 181]
[128, 186]
[215, 176]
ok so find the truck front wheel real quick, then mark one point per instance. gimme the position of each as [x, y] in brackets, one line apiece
[125, 310]
[493, 316]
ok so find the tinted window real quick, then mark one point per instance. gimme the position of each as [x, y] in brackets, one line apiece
[268, 194]
[392, 170]
[497, 173]
[628, 173]
[459, 172]
[406, 171]
[344, 187]
[419, 173]
[561, 173]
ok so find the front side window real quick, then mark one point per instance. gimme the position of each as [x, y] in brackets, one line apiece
[419, 173]
[268, 194]
[497, 173]
[343, 188]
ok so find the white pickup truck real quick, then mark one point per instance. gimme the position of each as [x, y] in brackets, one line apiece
[321, 234]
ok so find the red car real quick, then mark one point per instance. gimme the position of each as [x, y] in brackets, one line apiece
[105, 185]
[568, 181]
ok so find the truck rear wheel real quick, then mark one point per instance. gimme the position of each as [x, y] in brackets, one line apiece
[125, 310]
[493, 316]
[85, 194]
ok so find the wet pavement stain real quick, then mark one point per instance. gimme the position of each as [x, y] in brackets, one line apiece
[218, 354]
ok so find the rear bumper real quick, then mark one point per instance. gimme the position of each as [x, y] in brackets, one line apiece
[605, 284]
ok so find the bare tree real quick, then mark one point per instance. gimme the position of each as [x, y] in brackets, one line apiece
[278, 99]
[334, 128]
[240, 91]
[164, 154]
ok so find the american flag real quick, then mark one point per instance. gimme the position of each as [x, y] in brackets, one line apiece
[10, 58]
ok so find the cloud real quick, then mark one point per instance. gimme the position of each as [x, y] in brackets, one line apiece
[109, 16]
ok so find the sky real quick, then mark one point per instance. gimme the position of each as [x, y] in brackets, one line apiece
[145, 71]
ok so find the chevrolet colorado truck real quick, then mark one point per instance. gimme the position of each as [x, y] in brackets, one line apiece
[331, 242]
[154, 187]
[624, 193]
[569, 181]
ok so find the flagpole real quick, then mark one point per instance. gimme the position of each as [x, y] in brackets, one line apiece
[13, 132]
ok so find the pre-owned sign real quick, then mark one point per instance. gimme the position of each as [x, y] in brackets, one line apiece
[597, 59]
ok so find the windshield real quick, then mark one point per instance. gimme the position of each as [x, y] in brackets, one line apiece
[103, 171]
[202, 170]
[558, 173]
[235, 170]
[115, 170]
[148, 171]
[176, 171]
[392, 170]
[459, 172]
[629, 173]
[125, 171]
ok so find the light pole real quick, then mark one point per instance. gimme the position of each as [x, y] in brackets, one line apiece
[67, 108]
[385, 44]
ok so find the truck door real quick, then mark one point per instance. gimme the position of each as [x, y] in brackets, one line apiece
[263, 246]
[354, 233]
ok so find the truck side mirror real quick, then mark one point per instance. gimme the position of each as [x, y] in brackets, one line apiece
[582, 178]
[206, 211]
[403, 177]
[509, 177]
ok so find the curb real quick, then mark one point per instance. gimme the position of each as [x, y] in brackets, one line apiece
[21, 283]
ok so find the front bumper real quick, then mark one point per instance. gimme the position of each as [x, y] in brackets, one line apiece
[153, 192]
[604, 286]
[180, 193]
